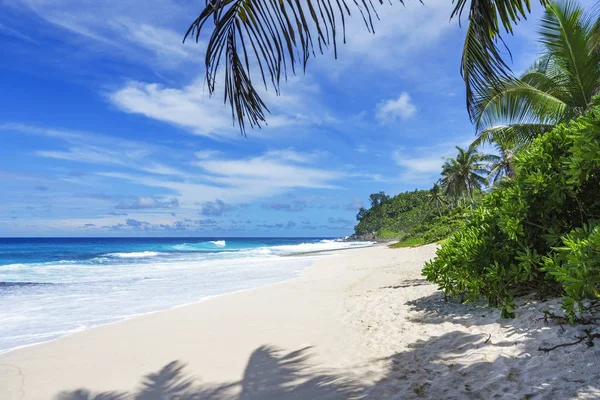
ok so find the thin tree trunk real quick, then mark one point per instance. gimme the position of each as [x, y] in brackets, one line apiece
[470, 192]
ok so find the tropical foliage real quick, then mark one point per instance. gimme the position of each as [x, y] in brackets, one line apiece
[394, 217]
[538, 230]
[417, 217]
[426, 216]
[501, 164]
[556, 88]
[464, 174]
[277, 36]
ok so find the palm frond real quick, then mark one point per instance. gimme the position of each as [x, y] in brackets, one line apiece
[519, 102]
[567, 34]
[272, 36]
[516, 133]
[482, 64]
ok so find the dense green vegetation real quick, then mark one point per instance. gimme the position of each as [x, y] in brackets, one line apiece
[539, 230]
[413, 215]
[528, 217]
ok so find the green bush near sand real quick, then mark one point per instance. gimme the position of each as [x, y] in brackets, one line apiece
[536, 231]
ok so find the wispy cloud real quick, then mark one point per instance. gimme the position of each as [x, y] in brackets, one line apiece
[272, 170]
[138, 31]
[7, 30]
[427, 164]
[190, 107]
[423, 164]
[294, 206]
[402, 33]
[355, 204]
[89, 148]
[144, 203]
[209, 176]
[215, 208]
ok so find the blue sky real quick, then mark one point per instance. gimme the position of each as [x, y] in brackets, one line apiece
[107, 128]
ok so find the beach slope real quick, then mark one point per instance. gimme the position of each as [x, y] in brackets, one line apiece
[359, 324]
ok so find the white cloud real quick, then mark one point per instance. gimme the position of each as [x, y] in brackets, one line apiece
[272, 170]
[393, 109]
[423, 164]
[191, 108]
[403, 33]
[361, 148]
[204, 154]
[428, 164]
[146, 202]
[240, 180]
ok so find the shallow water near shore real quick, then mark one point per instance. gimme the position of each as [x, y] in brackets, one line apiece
[54, 287]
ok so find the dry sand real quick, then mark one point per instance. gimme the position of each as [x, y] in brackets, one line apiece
[361, 324]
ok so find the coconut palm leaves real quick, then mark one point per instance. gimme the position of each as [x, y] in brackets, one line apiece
[501, 165]
[271, 36]
[436, 195]
[274, 36]
[463, 174]
[556, 88]
[482, 65]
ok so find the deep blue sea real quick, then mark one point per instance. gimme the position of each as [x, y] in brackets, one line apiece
[54, 287]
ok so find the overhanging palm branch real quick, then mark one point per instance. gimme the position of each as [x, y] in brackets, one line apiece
[274, 36]
[566, 33]
[482, 65]
[520, 133]
[556, 88]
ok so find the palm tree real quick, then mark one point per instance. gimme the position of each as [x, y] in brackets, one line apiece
[557, 87]
[463, 174]
[436, 195]
[274, 35]
[501, 165]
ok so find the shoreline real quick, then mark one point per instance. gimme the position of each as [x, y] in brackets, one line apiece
[331, 252]
[363, 324]
[133, 316]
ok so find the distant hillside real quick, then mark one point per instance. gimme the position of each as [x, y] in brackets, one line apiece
[411, 217]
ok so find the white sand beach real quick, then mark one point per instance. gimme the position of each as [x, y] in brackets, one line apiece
[359, 324]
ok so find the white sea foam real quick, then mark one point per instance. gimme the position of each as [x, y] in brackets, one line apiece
[202, 246]
[136, 254]
[322, 245]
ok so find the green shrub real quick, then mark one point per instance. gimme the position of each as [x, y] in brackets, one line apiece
[576, 266]
[387, 234]
[413, 242]
[510, 243]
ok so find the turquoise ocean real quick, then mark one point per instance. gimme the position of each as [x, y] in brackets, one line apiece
[54, 287]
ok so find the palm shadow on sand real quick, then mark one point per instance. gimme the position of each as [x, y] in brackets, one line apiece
[269, 374]
[427, 369]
